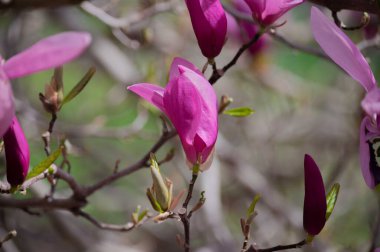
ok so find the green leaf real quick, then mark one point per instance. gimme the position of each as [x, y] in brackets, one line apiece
[331, 199]
[80, 86]
[251, 208]
[142, 215]
[239, 112]
[41, 167]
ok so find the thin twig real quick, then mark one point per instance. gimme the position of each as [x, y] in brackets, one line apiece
[217, 73]
[279, 247]
[185, 218]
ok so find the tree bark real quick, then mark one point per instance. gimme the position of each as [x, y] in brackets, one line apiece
[371, 6]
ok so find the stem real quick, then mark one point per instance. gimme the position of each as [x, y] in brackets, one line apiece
[279, 247]
[185, 218]
[216, 74]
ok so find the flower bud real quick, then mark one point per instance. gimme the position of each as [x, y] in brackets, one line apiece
[315, 206]
[160, 194]
[210, 25]
[17, 153]
[266, 12]
[53, 97]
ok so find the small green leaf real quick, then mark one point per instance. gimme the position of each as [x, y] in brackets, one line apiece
[239, 112]
[251, 208]
[331, 199]
[142, 215]
[45, 164]
[80, 86]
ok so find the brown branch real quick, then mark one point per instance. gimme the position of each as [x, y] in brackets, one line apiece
[27, 4]
[279, 248]
[44, 203]
[185, 218]
[371, 6]
[105, 226]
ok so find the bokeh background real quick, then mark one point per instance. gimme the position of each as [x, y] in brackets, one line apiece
[303, 103]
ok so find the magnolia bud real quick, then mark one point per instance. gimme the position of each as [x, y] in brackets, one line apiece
[53, 97]
[160, 194]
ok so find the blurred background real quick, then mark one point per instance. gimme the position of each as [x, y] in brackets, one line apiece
[303, 103]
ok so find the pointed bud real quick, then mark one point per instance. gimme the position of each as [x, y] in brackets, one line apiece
[210, 25]
[315, 207]
[53, 97]
[17, 153]
[160, 194]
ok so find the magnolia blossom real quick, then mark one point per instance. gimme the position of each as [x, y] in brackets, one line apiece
[315, 206]
[210, 25]
[266, 12]
[249, 29]
[48, 53]
[345, 54]
[17, 153]
[190, 103]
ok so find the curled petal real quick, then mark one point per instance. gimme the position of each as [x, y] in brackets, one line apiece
[210, 25]
[17, 153]
[371, 103]
[48, 53]
[151, 93]
[6, 103]
[177, 61]
[341, 49]
[266, 12]
[364, 152]
[315, 206]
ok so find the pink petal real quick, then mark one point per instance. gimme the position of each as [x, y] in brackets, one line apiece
[314, 211]
[177, 61]
[233, 29]
[17, 153]
[48, 53]
[191, 104]
[266, 12]
[151, 93]
[210, 25]
[364, 152]
[371, 103]
[341, 49]
[6, 103]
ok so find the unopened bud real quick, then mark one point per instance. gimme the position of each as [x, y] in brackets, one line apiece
[160, 194]
[53, 96]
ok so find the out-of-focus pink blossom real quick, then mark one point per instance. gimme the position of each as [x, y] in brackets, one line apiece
[190, 103]
[345, 54]
[17, 153]
[210, 25]
[266, 12]
[249, 29]
[48, 53]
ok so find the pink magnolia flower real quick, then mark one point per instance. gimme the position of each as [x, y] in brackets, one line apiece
[16, 153]
[315, 206]
[48, 53]
[210, 25]
[266, 12]
[249, 29]
[345, 54]
[190, 103]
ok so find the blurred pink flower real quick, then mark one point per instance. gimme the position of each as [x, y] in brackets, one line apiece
[190, 103]
[16, 153]
[48, 53]
[345, 54]
[209, 24]
[315, 206]
[266, 12]
[249, 28]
